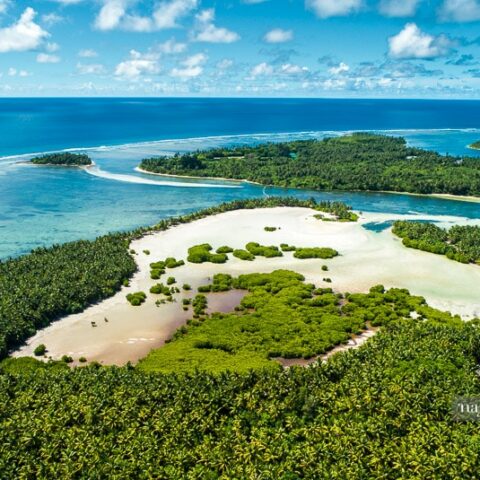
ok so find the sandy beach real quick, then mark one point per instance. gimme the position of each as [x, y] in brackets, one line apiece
[121, 333]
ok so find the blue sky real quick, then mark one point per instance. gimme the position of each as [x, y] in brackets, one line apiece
[284, 48]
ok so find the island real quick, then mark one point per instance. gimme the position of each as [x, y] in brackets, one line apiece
[475, 145]
[361, 161]
[165, 353]
[64, 159]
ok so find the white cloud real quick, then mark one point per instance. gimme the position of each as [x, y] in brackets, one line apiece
[278, 35]
[110, 14]
[52, 47]
[411, 42]
[460, 10]
[87, 53]
[207, 31]
[47, 58]
[23, 35]
[261, 69]
[167, 14]
[52, 19]
[172, 47]
[13, 72]
[138, 64]
[192, 67]
[399, 8]
[90, 69]
[339, 69]
[290, 69]
[333, 8]
[114, 14]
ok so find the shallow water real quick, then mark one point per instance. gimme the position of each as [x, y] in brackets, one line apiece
[46, 205]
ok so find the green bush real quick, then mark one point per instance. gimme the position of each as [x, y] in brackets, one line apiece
[243, 255]
[262, 251]
[136, 299]
[40, 350]
[315, 252]
[224, 249]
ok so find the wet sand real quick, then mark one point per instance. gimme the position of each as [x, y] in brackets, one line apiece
[367, 259]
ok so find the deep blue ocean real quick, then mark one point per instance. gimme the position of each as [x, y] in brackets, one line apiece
[43, 205]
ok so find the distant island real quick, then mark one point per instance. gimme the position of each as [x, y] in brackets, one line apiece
[64, 159]
[360, 161]
[475, 145]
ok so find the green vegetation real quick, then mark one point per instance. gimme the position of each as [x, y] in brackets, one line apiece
[459, 243]
[222, 282]
[203, 253]
[382, 411]
[171, 280]
[315, 252]
[281, 316]
[287, 248]
[50, 282]
[40, 350]
[243, 255]
[475, 145]
[63, 159]
[356, 162]
[160, 289]
[224, 249]
[270, 229]
[157, 269]
[137, 298]
[186, 287]
[263, 251]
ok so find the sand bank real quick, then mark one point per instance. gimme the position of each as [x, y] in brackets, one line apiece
[367, 259]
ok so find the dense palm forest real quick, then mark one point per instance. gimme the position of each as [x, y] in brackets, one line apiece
[38, 288]
[357, 162]
[460, 243]
[380, 412]
[50, 282]
[66, 159]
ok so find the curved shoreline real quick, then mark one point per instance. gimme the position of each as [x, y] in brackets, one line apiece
[442, 196]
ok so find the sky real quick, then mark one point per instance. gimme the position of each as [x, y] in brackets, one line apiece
[240, 48]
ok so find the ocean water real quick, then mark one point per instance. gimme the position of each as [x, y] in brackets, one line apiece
[44, 205]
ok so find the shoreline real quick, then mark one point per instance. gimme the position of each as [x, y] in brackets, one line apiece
[192, 177]
[443, 196]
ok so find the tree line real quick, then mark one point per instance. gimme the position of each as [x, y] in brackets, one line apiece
[360, 161]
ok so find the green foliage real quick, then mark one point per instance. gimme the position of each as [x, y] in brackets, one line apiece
[40, 287]
[171, 280]
[222, 282]
[315, 252]
[67, 359]
[263, 251]
[160, 289]
[270, 229]
[243, 254]
[360, 161]
[224, 249]
[287, 248]
[460, 243]
[382, 411]
[137, 298]
[202, 253]
[186, 287]
[475, 145]
[280, 316]
[64, 158]
[40, 350]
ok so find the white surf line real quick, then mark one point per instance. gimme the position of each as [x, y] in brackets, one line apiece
[260, 136]
[97, 172]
